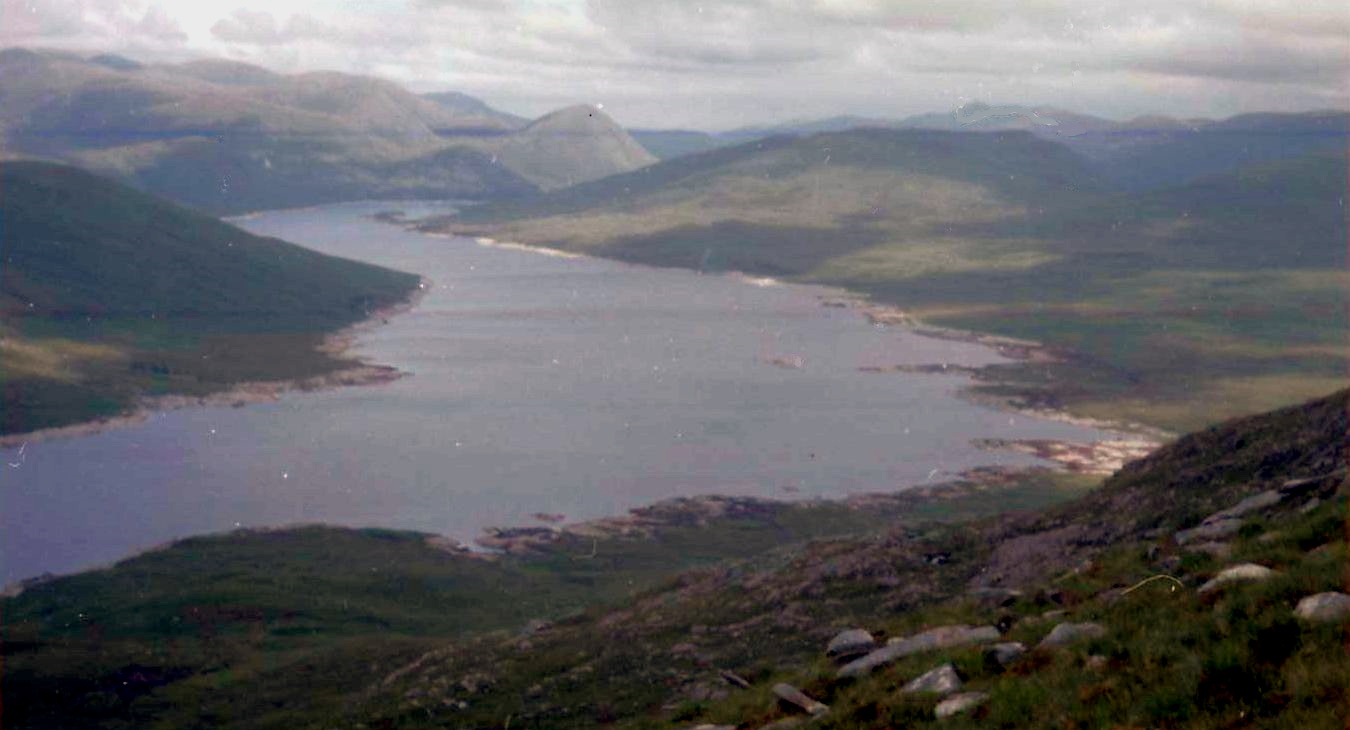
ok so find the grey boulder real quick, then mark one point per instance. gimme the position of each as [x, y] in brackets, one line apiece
[850, 644]
[941, 680]
[1243, 572]
[958, 703]
[798, 699]
[898, 648]
[1070, 633]
[1004, 654]
[1324, 607]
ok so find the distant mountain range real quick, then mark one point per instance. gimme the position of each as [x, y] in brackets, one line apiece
[230, 137]
[1142, 153]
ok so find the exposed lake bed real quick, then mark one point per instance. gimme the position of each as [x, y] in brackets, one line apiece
[576, 388]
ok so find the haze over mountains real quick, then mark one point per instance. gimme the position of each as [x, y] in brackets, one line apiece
[230, 137]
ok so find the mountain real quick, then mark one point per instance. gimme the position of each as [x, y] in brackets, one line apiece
[667, 143]
[472, 113]
[1175, 306]
[1145, 153]
[230, 137]
[668, 619]
[108, 293]
[1149, 156]
[570, 146]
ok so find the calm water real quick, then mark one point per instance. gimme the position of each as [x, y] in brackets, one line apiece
[540, 384]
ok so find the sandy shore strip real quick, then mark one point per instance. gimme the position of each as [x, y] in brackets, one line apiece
[265, 391]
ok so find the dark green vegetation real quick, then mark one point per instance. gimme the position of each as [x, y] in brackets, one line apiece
[1173, 305]
[288, 628]
[108, 294]
[229, 137]
[317, 627]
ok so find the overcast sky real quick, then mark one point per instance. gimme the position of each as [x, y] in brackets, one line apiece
[715, 65]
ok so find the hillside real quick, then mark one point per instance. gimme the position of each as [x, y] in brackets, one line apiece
[1173, 307]
[108, 293]
[395, 629]
[569, 146]
[229, 137]
[1146, 153]
[474, 113]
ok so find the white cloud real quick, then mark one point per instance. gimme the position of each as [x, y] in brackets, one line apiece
[727, 62]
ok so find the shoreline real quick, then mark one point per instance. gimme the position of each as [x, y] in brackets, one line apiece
[1095, 457]
[357, 372]
[1090, 458]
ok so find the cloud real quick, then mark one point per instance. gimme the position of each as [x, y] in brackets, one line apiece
[89, 24]
[720, 63]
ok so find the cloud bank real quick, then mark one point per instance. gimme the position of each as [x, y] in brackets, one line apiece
[667, 63]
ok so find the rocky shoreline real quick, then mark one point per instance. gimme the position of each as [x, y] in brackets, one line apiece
[262, 391]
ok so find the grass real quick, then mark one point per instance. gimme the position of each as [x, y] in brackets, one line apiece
[110, 294]
[1171, 658]
[267, 628]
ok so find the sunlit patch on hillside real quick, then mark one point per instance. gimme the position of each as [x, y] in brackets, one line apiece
[52, 358]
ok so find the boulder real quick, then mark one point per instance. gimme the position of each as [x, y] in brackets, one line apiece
[1254, 503]
[1237, 573]
[1218, 550]
[850, 644]
[734, 679]
[1070, 633]
[795, 697]
[1324, 607]
[1209, 531]
[898, 648]
[1308, 484]
[958, 703]
[1002, 655]
[941, 680]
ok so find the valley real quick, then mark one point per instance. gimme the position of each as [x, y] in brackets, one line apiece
[668, 366]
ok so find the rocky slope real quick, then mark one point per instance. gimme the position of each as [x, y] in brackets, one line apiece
[1103, 612]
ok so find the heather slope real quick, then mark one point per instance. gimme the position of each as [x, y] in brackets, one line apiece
[110, 294]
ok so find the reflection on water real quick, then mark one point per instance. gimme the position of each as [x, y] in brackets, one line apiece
[540, 385]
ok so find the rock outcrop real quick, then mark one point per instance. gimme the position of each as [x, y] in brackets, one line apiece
[1237, 573]
[1324, 607]
[941, 680]
[939, 638]
[1066, 634]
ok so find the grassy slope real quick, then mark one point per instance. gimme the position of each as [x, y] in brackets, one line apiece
[108, 293]
[1172, 658]
[1180, 306]
[281, 628]
[317, 627]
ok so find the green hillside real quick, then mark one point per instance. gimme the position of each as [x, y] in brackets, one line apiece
[107, 294]
[325, 627]
[1174, 307]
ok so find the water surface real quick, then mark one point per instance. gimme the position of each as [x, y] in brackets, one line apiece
[540, 384]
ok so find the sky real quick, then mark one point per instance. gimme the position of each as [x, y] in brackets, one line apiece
[720, 65]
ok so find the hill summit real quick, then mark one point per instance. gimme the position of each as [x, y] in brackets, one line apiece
[572, 145]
